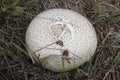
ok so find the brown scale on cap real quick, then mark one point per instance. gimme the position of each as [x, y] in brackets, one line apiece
[60, 43]
[65, 55]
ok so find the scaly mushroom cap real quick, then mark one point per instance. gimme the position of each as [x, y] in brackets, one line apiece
[61, 39]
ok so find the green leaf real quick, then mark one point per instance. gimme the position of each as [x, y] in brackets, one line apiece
[89, 68]
[17, 11]
[63, 65]
[14, 10]
[117, 59]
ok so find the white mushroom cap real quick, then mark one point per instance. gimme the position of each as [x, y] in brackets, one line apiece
[49, 29]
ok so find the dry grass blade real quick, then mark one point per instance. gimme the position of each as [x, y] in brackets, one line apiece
[107, 74]
[9, 69]
[19, 48]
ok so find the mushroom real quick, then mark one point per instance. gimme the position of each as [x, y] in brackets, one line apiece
[60, 39]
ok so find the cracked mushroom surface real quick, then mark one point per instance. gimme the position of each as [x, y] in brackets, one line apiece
[58, 36]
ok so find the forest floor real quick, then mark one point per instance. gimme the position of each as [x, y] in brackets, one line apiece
[15, 16]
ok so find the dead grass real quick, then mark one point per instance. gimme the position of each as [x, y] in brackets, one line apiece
[105, 16]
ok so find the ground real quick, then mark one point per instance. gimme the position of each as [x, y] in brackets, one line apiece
[15, 16]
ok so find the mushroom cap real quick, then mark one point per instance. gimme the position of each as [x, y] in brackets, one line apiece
[61, 39]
